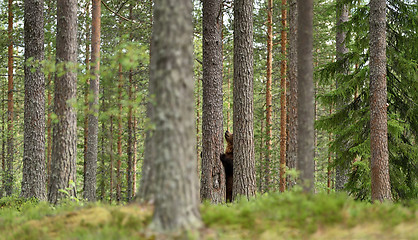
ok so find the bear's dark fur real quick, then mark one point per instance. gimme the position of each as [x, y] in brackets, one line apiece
[227, 160]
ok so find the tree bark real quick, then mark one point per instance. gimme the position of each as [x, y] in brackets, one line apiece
[49, 130]
[341, 173]
[63, 166]
[269, 136]
[293, 92]
[176, 189]
[9, 176]
[212, 183]
[129, 173]
[33, 172]
[380, 182]
[283, 114]
[119, 163]
[243, 116]
[86, 94]
[3, 142]
[93, 122]
[111, 168]
[305, 107]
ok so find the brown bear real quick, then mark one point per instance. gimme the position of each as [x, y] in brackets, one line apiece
[227, 162]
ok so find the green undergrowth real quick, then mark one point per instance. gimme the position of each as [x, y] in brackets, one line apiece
[273, 216]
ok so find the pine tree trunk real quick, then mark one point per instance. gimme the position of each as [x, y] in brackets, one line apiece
[293, 91]
[212, 184]
[305, 135]
[146, 189]
[134, 155]
[283, 114]
[130, 148]
[3, 143]
[102, 162]
[63, 166]
[171, 74]
[119, 163]
[269, 136]
[33, 172]
[8, 187]
[93, 122]
[86, 95]
[111, 168]
[243, 116]
[379, 161]
[129, 172]
[49, 130]
[341, 172]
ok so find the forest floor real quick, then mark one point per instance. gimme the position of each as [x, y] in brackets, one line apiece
[274, 216]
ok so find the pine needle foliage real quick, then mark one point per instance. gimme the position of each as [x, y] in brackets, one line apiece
[350, 124]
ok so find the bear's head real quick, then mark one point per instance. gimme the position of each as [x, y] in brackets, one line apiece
[229, 141]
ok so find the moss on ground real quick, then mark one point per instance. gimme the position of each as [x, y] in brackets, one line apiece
[274, 216]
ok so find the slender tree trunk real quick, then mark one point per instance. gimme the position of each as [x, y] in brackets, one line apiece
[111, 168]
[305, 107]
[267, 167]
[10, 141]
[293, 92]
[33, 172]
[119, 163]
[243, 116]
[129, 172]
[260, 169]
[176, 188]
[341, 172]
[103, 167]
[212, 184]
[63, 166]
[134, 156]
[329, 168]
[146, 189]
[228, 115]
[198, 126]
[379, 162]
[86, 93]
[3, 142]
[49, 130]
[283, 114]
[130, 148]
[93, 122]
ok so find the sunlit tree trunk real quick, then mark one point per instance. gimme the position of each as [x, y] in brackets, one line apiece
[33, 172]
[379, 160]
[305, 138]
[63, 164]
[243, 116]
